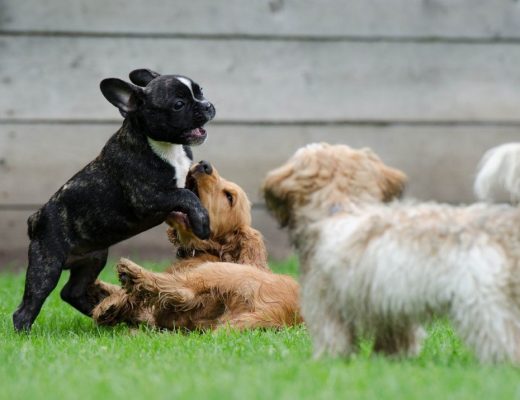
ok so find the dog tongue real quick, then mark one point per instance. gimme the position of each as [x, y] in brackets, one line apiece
[198, 132]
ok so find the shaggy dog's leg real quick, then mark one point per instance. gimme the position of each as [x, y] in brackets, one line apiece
[492, 328]
[396, 340]
[330, 334]
[45, 265]
[83, 273]
[332, 337]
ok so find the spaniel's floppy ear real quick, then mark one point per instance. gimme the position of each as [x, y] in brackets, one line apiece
[246, 246]
[253, 251]
[393, 183]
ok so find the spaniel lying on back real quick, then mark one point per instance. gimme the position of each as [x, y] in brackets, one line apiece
[222, 281]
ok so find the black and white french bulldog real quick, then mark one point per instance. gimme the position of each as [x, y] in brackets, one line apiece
[133, 185]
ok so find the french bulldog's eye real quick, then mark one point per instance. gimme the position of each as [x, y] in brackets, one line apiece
[178, 105]
[229, 198]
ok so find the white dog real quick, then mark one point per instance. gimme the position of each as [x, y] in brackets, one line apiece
[372, 265]
[498, 178]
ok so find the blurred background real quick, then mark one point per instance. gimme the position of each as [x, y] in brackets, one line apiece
[428, 84]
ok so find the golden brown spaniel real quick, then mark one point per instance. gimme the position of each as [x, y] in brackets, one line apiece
[222, 281]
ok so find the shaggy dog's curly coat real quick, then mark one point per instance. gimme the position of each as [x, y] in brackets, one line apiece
[223, 281]
[374, 265]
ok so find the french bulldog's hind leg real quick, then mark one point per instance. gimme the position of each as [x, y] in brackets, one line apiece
[83, 273]
[46, 261]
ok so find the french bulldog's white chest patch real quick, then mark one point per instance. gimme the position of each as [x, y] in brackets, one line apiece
[174, 155]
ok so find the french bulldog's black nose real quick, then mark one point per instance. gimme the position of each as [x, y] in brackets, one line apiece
[209, 110]
[206, 167]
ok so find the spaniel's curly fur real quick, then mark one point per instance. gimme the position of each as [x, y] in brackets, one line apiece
[223, 281]
[374, 265]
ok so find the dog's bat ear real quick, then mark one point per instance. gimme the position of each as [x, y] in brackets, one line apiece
[121, 94]
[143, 77]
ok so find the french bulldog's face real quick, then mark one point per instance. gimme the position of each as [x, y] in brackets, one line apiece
[171, 108]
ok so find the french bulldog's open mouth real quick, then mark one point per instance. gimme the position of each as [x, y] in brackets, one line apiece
[196, 136]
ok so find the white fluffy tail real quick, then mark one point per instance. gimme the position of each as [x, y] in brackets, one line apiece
[498, 175]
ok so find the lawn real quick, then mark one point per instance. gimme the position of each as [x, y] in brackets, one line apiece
[67, 357]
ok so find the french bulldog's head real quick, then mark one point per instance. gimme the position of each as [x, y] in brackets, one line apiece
[170, 108]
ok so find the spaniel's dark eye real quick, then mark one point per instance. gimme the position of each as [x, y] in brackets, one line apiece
[178, 105]
[229, 198]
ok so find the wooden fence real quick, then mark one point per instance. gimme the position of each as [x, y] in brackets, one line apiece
[428, 84]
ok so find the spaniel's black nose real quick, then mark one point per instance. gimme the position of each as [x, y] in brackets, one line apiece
[206, 167]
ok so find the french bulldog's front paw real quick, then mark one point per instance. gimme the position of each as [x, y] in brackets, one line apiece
[203, 233]
[200, 225]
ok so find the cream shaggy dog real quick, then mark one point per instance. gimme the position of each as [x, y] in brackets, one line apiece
[374, 265]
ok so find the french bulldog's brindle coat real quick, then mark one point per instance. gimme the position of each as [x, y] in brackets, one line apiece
[132, 186]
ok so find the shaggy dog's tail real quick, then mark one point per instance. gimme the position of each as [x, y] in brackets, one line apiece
[498, 175]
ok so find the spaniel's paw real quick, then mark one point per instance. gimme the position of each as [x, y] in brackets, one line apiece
[111, 311]
[130, 274]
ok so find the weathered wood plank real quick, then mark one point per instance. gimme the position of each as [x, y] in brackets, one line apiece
[151, 245]
[13, 238]
[402, 18]
[57, 78]
[440, 160]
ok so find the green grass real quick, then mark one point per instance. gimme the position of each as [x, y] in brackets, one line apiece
[67, 357]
